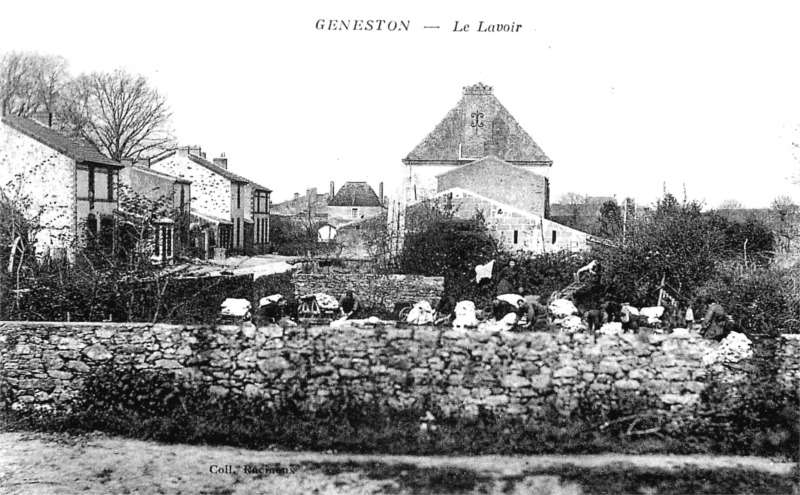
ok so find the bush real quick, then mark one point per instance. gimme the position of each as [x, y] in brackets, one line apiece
[757, 415]
[759, 298]
[438, 243]
[679, 244]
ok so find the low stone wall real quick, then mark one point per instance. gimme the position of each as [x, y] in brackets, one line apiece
[374, 291]
[513, 373]
[788, 356]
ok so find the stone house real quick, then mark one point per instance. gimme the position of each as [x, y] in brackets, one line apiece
[355, 201]
[172, 234]
[327, 212]
[228, 210]
[515, 229]
[501, 181]
[68, 180]
[477, 127]
[479, 158]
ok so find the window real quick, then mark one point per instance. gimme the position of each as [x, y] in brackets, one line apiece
[354, 213]
[163, 241]
[110, 185]
[101, 182]
[239, 196]
[91, 187]
[554, 238]
[516, 236]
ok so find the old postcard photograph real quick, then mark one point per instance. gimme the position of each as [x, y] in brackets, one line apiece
[399, 247]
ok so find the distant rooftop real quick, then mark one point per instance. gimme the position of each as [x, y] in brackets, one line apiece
[356, 194]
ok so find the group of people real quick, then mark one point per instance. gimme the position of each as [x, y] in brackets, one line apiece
[716, 324]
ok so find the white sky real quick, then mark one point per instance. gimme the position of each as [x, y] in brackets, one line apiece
[624, 97]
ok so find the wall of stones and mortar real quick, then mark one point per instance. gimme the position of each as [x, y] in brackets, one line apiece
[513, 373]
[373, 290]
[788, 356]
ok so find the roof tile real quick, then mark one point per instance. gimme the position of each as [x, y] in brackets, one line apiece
[78, 149]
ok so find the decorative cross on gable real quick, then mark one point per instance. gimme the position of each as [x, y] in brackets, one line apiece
[477, 120]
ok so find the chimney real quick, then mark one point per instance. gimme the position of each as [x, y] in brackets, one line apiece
[296, 196]
[221, 162]
[190, 150]
[380, 193]
[311, 195]
[332, 192]
[43, 118]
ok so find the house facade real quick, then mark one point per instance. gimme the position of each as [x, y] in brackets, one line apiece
[228, 210]
[355, 201]
[327, 212]
[173, 194]
[514, 228]
[501, 181]
[67, 181]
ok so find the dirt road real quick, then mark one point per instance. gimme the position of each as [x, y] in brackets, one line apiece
[49, 464]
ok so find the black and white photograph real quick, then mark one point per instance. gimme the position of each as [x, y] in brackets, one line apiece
[354, 247]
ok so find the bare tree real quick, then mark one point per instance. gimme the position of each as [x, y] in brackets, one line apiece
[574, 206]
[31, 82]
[119, 113]
[730, 204]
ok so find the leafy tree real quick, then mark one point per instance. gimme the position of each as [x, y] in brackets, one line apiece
[440, 243]
[674, 242]
[610, 220]
[679, 244]
[785, 220]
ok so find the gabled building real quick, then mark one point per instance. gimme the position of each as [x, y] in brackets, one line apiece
[68, 180]
[516, 229]
[174, 194]
[328, 211]
[477, 127]
[501, 181]
[354, 201]
[479, 159]
[228, 210]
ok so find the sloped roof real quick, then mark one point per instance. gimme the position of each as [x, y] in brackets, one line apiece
[158, 173]
[214, 168]
[502, 167]
[356, 194]
[477, 126]
[78, 149]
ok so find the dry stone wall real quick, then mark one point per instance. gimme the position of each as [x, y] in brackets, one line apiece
[374, 291]
[459, 372]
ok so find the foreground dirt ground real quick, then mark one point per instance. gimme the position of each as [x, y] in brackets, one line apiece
[32, 463]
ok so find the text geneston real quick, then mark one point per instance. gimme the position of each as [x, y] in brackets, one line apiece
[362, 25]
